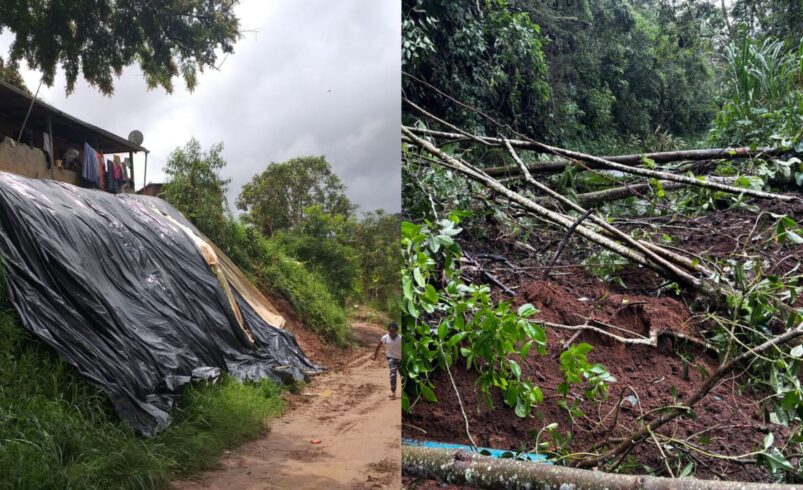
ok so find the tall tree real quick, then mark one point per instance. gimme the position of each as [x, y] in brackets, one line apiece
[278, 198]
[196, 189]
[98, 38]
[322, 242]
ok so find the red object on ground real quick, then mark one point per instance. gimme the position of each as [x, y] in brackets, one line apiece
[315, 441]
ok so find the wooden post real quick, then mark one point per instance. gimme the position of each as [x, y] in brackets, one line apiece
[52, 163]
[131, 168]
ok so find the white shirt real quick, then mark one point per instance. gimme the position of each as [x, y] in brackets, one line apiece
[394, 346]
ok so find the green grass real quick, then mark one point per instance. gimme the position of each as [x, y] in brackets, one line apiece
[58, 432]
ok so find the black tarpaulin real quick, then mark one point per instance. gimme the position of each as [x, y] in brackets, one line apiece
[118, 285]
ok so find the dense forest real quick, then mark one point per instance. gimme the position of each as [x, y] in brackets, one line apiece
[602, 237]
[605, 75]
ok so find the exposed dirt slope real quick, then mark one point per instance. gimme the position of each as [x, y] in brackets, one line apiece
[729, 421]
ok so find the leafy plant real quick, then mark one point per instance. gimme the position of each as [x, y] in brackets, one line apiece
[762, 97]
[444, 319]
[575, 368]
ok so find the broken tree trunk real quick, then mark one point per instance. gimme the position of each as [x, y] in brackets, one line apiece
[630, 160]
[590, 199]
[558, 218]
[468, 468]
[597, 162]
[613, 232]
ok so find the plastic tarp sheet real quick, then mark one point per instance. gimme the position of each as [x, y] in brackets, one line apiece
[123, 288]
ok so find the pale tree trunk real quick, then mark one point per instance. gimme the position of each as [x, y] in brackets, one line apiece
[468, 468]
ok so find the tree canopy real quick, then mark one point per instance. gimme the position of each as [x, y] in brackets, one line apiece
[565, 71]
[279, 197]
[97, 39]
[195, 187]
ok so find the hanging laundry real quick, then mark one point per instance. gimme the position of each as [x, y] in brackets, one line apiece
[89, 165]
[47, 149]
[101, 171]
[120, 168]
[111, 183]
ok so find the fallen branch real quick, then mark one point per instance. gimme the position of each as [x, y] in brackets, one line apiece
[563, 242]
[467, 468]
[630, 160]
[663, 260]
[489, 276]
[598, 162]
[551, 216]
[591, 199]
[651, 341]
[695, 397]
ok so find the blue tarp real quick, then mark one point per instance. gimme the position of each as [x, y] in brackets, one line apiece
[494, 453]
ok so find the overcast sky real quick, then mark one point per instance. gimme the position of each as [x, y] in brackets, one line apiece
[311, 77]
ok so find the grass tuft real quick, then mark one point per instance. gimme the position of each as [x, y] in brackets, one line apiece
[56, 431]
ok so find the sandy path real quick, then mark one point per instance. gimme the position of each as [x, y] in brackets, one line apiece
[348, 410]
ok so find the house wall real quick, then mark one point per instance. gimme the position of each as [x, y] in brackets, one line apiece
[21, 159]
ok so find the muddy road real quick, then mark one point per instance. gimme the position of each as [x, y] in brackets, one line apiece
[347, 409]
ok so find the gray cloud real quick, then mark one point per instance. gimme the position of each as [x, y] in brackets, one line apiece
[311, 77]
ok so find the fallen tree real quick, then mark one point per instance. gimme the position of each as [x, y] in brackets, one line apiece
[639, 254]
[468, 468]
[634, 159]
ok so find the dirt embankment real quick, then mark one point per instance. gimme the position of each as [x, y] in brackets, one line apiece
[347, 409]
[729, 421]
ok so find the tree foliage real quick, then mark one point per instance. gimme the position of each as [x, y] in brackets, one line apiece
[97, 39]
[277, 198]
[196, 189]
[566, 71]
[490, 57]
[322, 241]
[376, 238]
[10, 74]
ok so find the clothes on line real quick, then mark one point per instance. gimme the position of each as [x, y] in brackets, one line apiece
[47, 149]
[96, 171]
[89, 166]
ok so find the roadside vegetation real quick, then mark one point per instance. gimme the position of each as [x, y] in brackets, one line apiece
[56, 431]
[563, 298]
[298, 235]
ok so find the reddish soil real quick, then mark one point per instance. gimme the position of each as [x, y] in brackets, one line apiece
[729, 421]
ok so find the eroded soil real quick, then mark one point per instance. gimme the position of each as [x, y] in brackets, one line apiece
[729, 421]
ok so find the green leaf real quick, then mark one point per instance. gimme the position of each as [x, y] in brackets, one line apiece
[521, 409]
[527, 310]
[419, 278]
[514, 366]
[430, 294]
[443, 328]
[427, 393]
[456, 338]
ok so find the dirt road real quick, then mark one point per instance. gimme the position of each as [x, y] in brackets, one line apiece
[348, 410]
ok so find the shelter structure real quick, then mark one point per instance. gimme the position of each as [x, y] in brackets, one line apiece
[38, 140]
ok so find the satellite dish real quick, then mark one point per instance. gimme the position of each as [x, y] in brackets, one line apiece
[135, 137]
